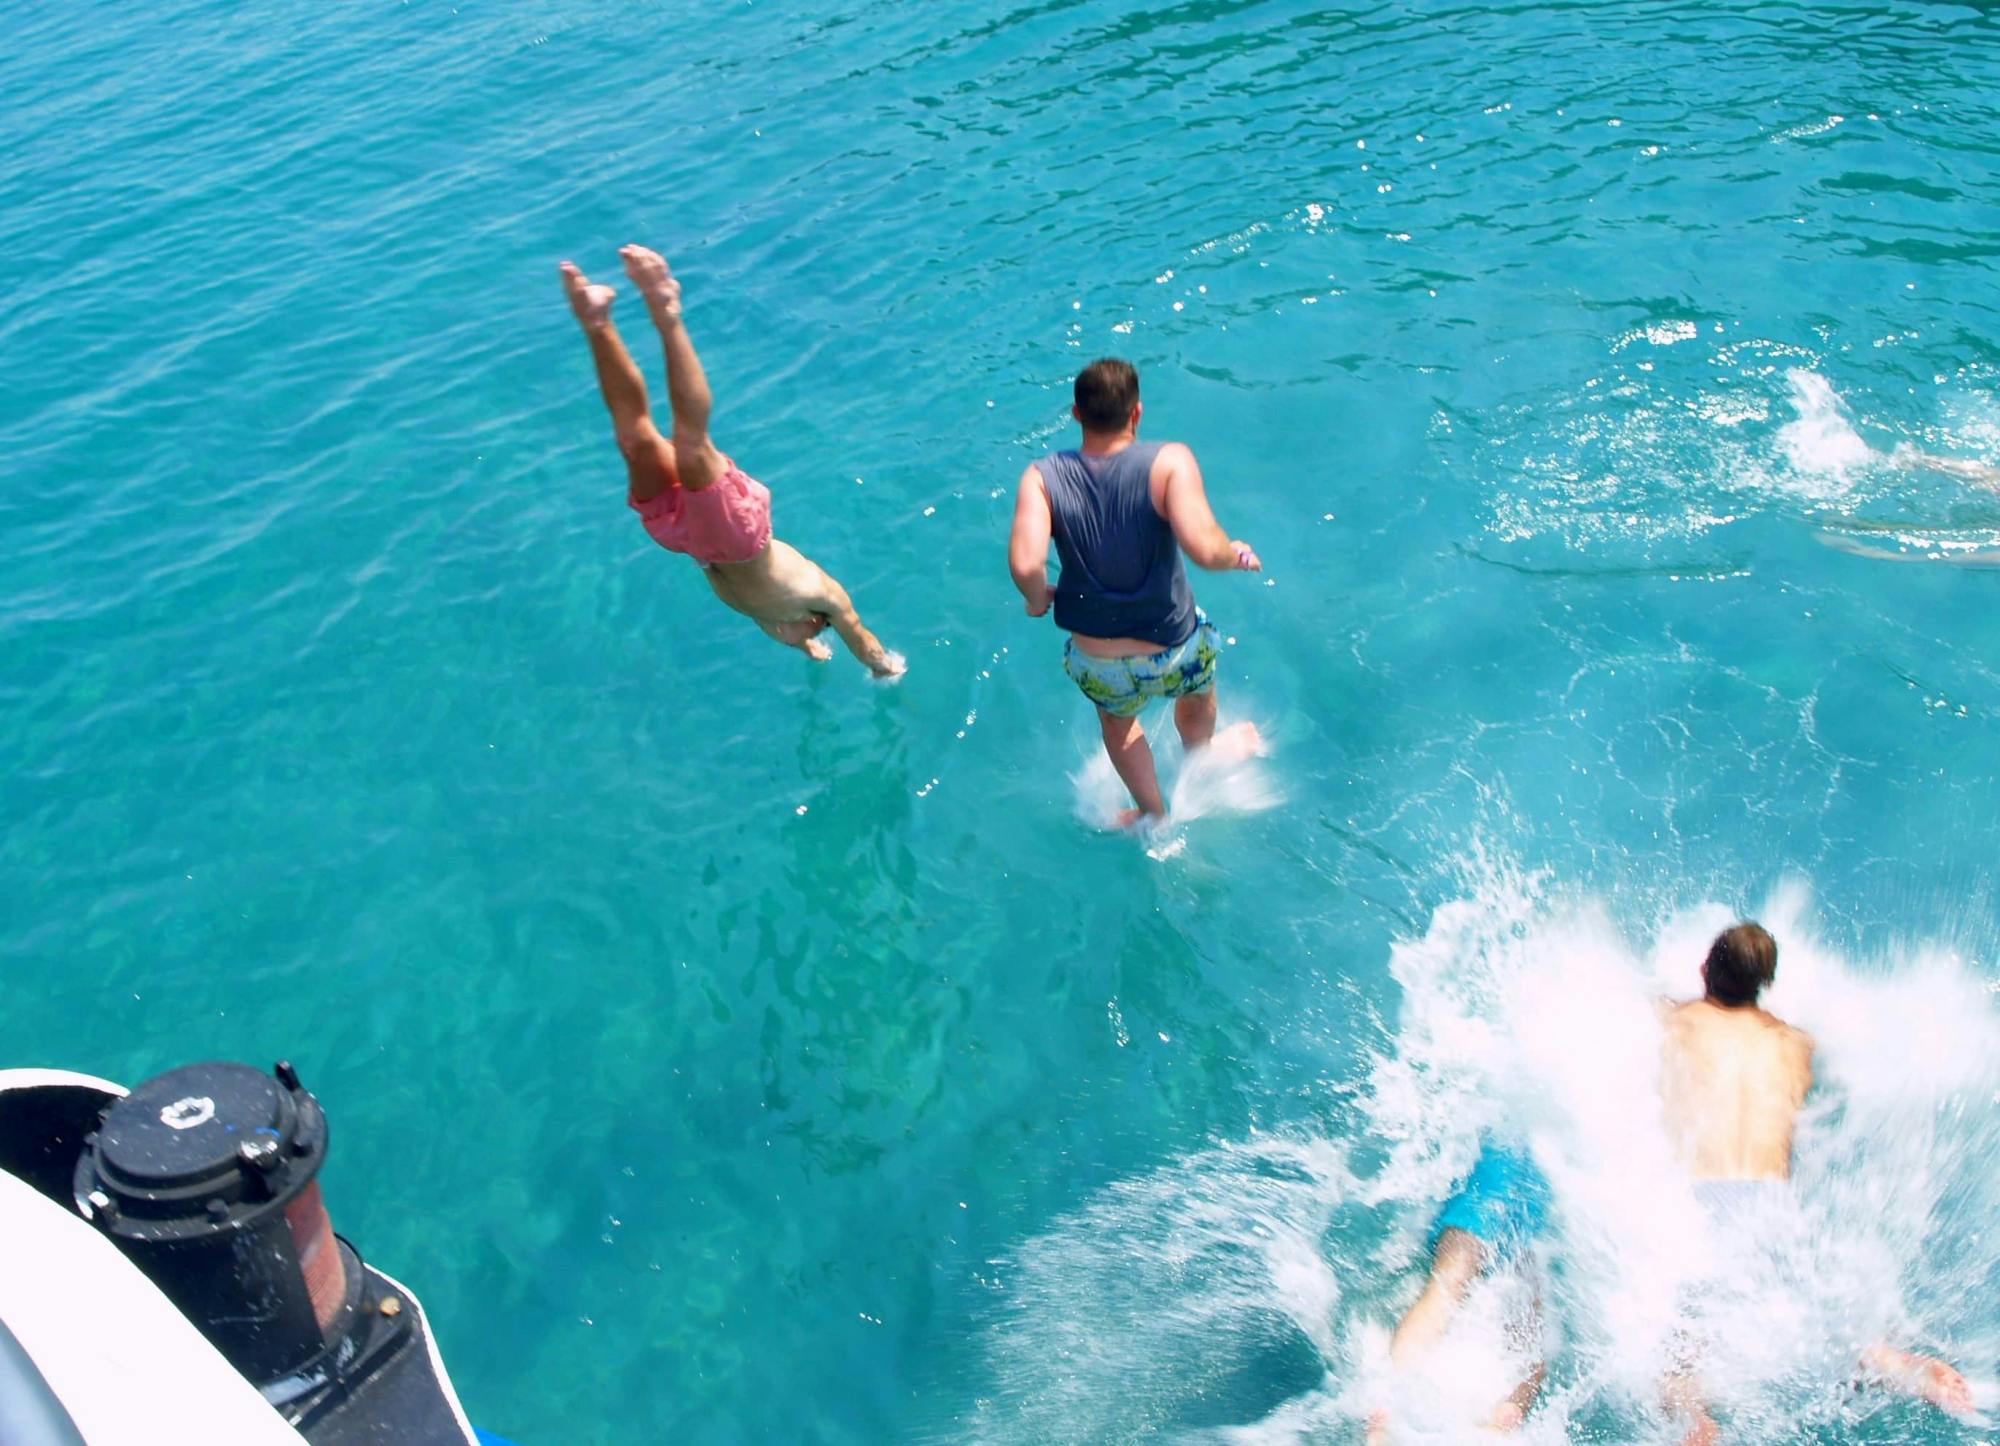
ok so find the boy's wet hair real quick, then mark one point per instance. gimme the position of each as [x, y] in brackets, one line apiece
[1741, 961]
[1106, 392]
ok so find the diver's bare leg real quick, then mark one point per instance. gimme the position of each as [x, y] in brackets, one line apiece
[1132, 756]
[1925, 1377]
[1194, 717]
[687, 383]
[648, 457]
[1455, 1264]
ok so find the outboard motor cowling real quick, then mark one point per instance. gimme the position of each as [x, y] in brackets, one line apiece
[205, 1177]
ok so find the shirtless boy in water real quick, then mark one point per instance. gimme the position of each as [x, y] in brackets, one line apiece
[1733, 1079]
[695, 500]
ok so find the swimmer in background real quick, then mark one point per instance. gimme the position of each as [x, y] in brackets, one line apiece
[1733, 1080]
[1121, 512]
[691, 497]
[1911, 460]
[1493, 1218]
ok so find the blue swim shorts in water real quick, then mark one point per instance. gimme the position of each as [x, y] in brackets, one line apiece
[1504, 1201]
[1123, 687]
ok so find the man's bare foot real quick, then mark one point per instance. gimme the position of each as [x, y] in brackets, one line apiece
[1239, 741]
[1126, 819]
[1236, 743]
[649, 272]
[590, 300]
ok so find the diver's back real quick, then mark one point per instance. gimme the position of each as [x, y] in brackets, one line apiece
[1733, 1081]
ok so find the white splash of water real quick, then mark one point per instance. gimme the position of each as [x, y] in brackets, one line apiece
[1150, 1294]
[1231, 776]
[1535, 1013]
[1821, 443]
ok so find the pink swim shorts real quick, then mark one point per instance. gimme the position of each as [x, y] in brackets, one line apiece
[727, 521]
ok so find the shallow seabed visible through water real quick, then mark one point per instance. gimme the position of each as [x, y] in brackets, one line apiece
[733, 1050]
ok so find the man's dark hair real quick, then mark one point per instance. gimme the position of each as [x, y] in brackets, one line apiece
[1106, 392]
[1741, 961]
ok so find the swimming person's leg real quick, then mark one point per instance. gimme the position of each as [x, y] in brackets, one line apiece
[1132, 757]
[1925, 1377]
[649, 462]
[1456, 1262]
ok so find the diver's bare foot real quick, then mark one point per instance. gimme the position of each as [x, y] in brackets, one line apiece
[1127, 819]
[1237, 742]
[650, 273]
[590, 300]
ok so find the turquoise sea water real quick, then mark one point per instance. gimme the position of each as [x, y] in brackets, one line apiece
[733, 1050]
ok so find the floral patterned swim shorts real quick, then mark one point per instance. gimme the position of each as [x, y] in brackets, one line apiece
[1123, 687]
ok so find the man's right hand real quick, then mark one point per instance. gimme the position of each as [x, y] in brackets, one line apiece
[1039, 604]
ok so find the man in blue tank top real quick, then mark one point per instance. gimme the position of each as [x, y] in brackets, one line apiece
[1121, 512]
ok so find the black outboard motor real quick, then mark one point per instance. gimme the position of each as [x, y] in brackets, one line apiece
[205, 1178]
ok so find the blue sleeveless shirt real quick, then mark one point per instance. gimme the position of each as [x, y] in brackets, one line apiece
[1122, 575]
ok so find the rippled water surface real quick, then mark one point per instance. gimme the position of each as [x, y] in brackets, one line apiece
[733, 1050]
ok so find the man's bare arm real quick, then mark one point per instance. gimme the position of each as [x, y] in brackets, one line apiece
[1028, 544]
[1185, 506]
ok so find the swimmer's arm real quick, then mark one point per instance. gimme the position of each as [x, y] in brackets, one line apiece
[1028, 546]
[1184, 501]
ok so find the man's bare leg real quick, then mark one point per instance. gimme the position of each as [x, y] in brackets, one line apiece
[1681, 1394]
[1455, 1264]
[1132, 756]
[1194, 716]
[648, 458]
[1963, 468]
[687, 383]
[1925, 1377]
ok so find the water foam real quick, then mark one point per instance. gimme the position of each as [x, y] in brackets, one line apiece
[1532, 1011]
[1820, 441]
